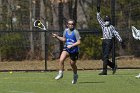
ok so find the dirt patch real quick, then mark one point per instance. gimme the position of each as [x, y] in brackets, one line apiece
[53, 65]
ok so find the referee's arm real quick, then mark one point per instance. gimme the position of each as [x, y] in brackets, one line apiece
[116, 34]
[100, 20]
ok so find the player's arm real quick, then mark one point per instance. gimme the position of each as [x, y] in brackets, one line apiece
[74, 44]
[59, 38]
[78, 38]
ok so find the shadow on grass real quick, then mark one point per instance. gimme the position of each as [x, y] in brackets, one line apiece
[125, 74]
[91, 82]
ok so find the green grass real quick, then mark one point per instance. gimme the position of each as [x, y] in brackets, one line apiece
[123, 81]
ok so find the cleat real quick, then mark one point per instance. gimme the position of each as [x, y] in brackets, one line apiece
[102, 73]
[138, 76]
[114, 69]
[59, 76]
[75, 77]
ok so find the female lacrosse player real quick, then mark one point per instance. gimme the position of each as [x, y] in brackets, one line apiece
[71, 37]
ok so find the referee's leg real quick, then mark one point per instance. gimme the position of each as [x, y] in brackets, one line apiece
[105, 57]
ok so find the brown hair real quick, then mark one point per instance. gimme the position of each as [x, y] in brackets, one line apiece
[71, 20]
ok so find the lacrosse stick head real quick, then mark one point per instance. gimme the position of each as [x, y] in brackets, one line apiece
[39, 24]
[135, 32]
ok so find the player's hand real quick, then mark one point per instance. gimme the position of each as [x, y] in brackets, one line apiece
[98, 14]
[98, 8]
[69, 46]
[54, 35]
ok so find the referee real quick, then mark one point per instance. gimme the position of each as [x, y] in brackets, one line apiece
[108, 32]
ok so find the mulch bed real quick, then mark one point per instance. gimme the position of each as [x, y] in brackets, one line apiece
[37, 65]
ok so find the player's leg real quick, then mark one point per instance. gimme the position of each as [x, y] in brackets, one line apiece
[63, 56]
[74, 57]
[74, 67]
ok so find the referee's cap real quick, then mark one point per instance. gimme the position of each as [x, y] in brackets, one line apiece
[107, 18]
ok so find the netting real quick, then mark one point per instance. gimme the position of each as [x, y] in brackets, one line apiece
[21, 41]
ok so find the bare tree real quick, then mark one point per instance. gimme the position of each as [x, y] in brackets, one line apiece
[73, 9]
[43, 19]
[0, 20]
[54, 7]
[0, 10]
[31, 28]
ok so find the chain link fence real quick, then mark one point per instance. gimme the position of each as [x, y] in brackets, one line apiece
[21, 43]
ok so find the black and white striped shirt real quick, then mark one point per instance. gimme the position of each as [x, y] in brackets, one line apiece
[108, 31]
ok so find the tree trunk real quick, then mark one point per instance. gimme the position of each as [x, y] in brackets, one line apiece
[31, 34]
[43, 20]
[0, 20]
[0, 10]
[54, 7]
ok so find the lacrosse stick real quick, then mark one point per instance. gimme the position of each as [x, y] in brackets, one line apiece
[135, 33]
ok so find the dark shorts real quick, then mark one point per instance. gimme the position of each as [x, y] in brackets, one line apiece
[73, 56]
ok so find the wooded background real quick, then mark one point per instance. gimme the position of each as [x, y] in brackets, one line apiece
[19, 40]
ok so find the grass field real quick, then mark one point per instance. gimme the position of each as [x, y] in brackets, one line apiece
[123, 81]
